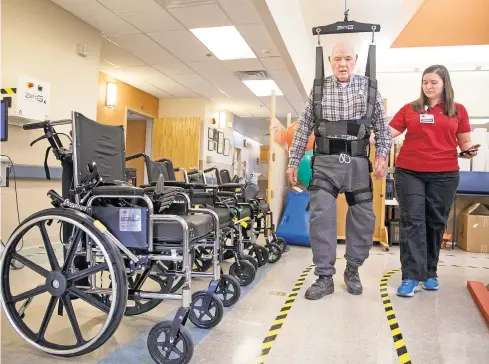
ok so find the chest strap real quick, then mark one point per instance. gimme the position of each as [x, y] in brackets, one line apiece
[318, 87]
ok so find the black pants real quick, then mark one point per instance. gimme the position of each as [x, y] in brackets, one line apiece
[425, 200]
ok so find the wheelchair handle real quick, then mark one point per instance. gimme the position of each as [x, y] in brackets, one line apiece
[43, 124]
[134, 156]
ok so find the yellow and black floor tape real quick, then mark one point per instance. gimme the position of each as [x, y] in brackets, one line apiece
[399, 343]
[279, 320]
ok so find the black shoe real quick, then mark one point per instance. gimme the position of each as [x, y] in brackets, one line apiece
[352, 280]
[322, 287]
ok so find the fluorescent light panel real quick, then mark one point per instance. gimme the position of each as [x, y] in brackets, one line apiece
[263, 87]
[225, 42]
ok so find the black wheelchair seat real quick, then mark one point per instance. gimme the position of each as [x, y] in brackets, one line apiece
[244, 211]
[117, 190]
[224, 215]
[171, 231]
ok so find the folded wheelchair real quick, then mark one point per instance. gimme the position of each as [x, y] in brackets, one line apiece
[116, 240]
[246, 193]
[233, 217]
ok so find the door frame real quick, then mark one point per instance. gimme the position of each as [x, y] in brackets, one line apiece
[149, 135]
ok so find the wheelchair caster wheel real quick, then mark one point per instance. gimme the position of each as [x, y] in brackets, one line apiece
[205, 316]
[165, 351]
[252, 260]
[275, 253]
[259, 253]
[228, 290]
[245, 273]
[282, 244]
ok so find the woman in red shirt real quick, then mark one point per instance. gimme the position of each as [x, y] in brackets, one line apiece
[427, 175]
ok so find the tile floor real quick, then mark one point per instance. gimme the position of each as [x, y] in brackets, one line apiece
[441, 327]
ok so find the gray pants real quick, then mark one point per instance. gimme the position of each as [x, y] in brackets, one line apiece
[331, 177]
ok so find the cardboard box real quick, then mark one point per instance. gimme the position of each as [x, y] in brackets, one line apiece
[474, 228]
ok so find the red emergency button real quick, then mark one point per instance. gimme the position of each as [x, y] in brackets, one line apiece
[30, 84]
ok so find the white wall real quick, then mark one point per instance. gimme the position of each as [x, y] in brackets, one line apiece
[40, 39]
[471, 89]
[218, 160]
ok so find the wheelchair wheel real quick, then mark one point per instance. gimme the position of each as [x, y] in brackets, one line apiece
[259, 253]
[228, 290]
[244, 272]
[205, 316]
[281, 243]
[252, 260]
[152, 280]
[275, 253]
[56, 282]
[164, 350]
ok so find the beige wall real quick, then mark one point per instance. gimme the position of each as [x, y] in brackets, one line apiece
[40, 39]
[182, 108]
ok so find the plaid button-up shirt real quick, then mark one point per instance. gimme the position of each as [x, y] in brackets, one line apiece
[342, 102]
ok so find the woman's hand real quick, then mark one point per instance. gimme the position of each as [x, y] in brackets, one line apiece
[471, 154]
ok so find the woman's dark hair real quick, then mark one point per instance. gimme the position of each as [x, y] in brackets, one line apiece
[447, 94]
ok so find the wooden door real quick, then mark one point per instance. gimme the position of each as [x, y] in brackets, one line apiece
[177, 139]
[136, 143]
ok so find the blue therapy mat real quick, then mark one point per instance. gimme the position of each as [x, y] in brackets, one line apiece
[294, 224]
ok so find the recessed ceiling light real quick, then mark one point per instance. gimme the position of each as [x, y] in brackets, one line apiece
[263, 87]
[225, 42]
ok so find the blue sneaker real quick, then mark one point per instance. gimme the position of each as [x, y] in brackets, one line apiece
[408, 288]
[431, 284]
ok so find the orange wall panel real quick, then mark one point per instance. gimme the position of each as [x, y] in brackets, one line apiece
[127, 97]
[447, 23]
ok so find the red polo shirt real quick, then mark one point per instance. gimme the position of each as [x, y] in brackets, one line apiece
[430, 147]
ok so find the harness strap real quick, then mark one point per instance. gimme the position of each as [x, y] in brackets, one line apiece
[359, 196]
[324, 185]
[318, 88]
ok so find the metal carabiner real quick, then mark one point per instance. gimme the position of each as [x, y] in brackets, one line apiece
[373, 33]
[318, 31]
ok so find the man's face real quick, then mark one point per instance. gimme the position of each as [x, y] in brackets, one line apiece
[343, 62]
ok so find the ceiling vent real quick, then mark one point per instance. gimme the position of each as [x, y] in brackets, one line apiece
[252, 75]
[170, 4]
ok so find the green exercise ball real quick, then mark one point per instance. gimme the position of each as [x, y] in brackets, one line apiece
[305, 171]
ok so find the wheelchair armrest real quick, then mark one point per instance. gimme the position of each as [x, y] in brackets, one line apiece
[182, 184]
[230, 185]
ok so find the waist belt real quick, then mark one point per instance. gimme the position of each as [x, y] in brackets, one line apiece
[337, 146]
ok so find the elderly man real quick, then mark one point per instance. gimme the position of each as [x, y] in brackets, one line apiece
[341, 165]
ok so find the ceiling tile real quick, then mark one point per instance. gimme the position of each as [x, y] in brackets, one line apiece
[156, 55]
[183, 45]
[279, 74]
[111, 25]
[130, 6]
[257, 37]
[241, 11]
[122, 59]
[146, 87]
[135, 43]
[171, 69]
[243, 65]
[110, 48]
[199, 85]
[274, 63]
[222, 78]
[201, 16]
[155, 21]
[183, 3]
[83, 8]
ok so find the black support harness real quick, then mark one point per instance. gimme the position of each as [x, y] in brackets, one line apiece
[356, 128]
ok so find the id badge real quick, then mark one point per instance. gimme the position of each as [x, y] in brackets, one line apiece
[427, 119]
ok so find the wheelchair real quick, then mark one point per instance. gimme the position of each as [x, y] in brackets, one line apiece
[115, 238]
[232, 215]
[246, 193]
[264, 222]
